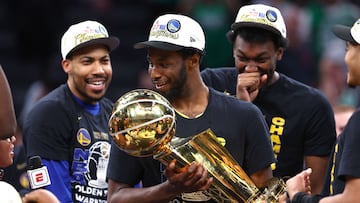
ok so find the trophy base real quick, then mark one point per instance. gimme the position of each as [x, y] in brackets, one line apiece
[230, 182]
[271, 194]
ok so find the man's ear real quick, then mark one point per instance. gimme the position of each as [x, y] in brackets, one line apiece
[193, 61]
[279, 53]
[65, 65]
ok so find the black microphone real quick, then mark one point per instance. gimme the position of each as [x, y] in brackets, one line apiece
[37, 173]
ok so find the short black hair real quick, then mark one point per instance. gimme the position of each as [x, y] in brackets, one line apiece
[258, 35]
[187, 52]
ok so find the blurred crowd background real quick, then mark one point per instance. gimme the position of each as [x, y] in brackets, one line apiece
[31, 31]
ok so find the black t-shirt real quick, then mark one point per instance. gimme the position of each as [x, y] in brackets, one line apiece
[300, 119]
[239, 124]
[58, 128]
[346, 156]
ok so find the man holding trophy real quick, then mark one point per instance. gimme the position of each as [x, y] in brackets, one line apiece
[175, 47]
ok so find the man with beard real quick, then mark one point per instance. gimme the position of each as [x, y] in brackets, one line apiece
[175, 48]
[68, 128]
[343, 176]
[300, 119]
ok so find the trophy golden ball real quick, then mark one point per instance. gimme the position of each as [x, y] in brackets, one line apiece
[142, 122]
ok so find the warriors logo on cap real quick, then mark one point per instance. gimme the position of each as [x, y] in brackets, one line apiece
[173, 26]
[174, 32]
[271, 15]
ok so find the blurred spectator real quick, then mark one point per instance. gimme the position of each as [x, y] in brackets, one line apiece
[214, 16]
[51, 77]
[332, 76]
[323, 15]
[342, 113]
[297, 61]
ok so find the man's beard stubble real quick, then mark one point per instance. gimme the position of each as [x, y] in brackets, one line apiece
[178, 85]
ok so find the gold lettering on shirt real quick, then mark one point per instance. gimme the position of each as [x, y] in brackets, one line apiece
[276, 130]
[332, 177]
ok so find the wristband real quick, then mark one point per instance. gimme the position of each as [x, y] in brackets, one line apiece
[302, 197]
[298, 197]
[287, 197]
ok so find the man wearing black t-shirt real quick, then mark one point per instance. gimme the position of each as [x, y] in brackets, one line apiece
[68, 128]
[300, 119]
[175, 48]
[342, 181]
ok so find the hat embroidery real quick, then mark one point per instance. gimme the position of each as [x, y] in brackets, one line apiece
[271, 15]
[89, 34]
[173, 26]
[159, 30]
[258, 17]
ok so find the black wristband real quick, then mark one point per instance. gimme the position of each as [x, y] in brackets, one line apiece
[287, 197]
[298, 197]
[302, 197]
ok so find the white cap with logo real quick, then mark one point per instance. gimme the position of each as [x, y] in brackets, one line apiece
[350, 34]
[262, 16]
[174, 32]
[84, 34]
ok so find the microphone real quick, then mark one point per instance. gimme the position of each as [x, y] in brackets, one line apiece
[37, 173]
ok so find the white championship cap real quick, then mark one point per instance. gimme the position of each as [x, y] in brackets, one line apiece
[174, 32]
[84, 34]
[350, 34]
[262, 16]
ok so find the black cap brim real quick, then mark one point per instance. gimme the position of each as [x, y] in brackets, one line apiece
[343, 32]
[110, 42]
[159, 45]
[236, 26]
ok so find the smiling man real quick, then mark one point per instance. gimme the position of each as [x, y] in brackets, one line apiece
[68, 127]
[175, 48]
[300, 119]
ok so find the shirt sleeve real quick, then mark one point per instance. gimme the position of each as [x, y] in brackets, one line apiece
[349, 164]
[122, 164]
[60, 180]
[259, 146]
[48, 131]
[320, 131]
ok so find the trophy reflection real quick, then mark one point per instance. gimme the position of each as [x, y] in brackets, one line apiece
[142, 124]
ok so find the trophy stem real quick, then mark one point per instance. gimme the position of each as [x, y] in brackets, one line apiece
[230, 182]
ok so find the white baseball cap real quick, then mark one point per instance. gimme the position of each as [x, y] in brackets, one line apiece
[84, 34]
[262, 16]
[350, 34]
[174, 32]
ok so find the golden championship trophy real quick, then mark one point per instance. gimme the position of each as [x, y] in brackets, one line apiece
[143, 124]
